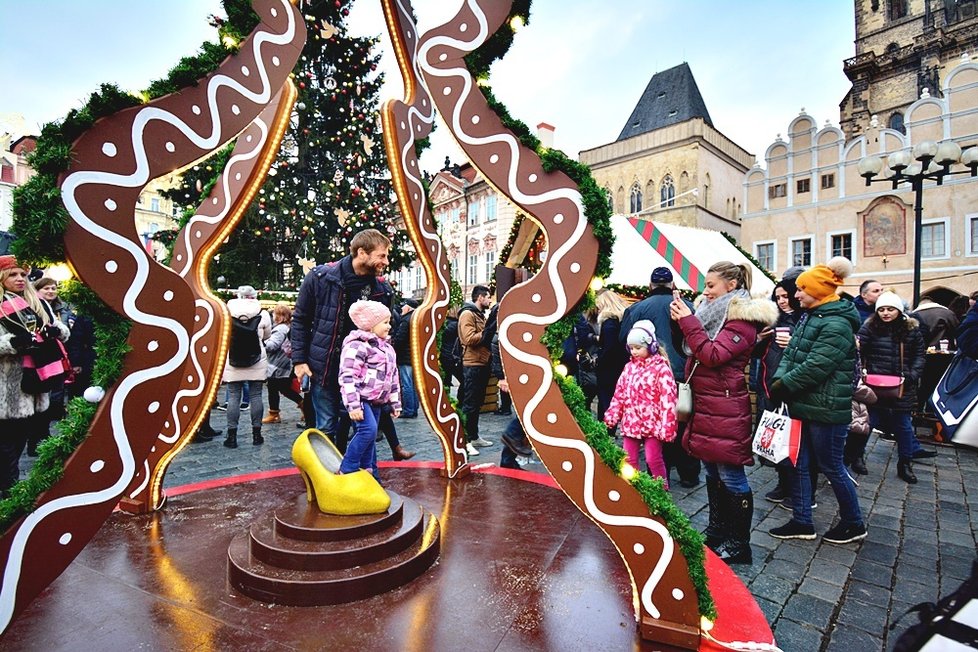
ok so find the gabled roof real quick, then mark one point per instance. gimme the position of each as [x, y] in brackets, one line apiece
[671, 97]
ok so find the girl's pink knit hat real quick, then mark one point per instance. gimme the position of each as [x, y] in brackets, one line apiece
[367, 314]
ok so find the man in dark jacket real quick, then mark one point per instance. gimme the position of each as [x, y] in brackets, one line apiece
[866, 301]
[655, 308]
[815, 379]
[321, 320]
[967, 335]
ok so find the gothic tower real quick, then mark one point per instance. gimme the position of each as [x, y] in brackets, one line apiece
[902, 48]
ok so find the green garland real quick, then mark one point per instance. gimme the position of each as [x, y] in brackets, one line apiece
[598, 215]
[40, 220]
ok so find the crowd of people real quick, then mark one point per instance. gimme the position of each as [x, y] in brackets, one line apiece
[343, 356]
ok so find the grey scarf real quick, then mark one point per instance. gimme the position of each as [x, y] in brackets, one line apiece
[713, 314]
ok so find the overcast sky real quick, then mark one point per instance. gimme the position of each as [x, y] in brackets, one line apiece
[579, 65]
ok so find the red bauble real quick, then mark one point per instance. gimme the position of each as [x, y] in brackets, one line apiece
[302, 84]
[268, 229]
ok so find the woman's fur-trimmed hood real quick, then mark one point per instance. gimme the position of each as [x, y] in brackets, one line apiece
[763, 312]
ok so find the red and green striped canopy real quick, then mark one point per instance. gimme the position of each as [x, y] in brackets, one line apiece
[680, 263]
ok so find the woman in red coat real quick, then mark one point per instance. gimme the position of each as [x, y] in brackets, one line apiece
[719, 339]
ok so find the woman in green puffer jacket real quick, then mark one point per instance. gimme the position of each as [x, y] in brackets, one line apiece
[815, 380]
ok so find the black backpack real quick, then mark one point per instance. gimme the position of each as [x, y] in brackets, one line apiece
[245, 349]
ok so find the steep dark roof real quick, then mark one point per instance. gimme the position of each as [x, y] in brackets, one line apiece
[670, 98]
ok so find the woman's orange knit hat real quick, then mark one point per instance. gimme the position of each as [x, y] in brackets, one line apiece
[821, 281]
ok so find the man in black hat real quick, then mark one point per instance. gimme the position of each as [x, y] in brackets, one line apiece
[655, 308]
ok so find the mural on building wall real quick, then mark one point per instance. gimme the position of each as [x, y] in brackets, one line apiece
[884, 225]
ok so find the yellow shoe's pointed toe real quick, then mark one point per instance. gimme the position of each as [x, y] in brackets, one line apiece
[349, 494]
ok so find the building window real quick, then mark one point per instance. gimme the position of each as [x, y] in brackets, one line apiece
[455, 268]
[973, 235]
[490, 208]
[473, 214]
[841, 245]
[490, 265]
[473, 269]
[667, 193]
[898, 9]
[933, 240]
[777, 190]
[418, 284]
[764, 252]
[635, 199]
[801, 252]
[896, 123]
[454, 215]
[154, 204]
[803, 186]
[828, 181]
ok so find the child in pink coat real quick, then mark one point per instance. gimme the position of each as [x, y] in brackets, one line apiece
[645, 400]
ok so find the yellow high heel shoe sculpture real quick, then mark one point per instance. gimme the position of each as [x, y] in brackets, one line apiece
[346, 494]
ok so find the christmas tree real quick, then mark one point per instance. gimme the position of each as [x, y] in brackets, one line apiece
[330, 179]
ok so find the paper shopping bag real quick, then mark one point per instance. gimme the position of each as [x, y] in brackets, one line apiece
[778, 436]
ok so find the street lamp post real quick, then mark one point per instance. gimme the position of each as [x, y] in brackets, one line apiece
[915, 171]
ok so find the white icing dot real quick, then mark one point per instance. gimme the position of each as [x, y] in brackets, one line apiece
[65, 539]
[166, 424]
[558, 218]
[411, 164]
[567, 466]
[494, 158]
[527, 337]
[195, 109]
[237, 177]
[418, 129]
[168, 295]
[275, 61]
[415, 196]
[153, 449]
[170, 147]
[197, 318]
[190, 379]
[639, 549]
[434, 390]
[410, 35]
[274, 14]
[109, 149]
[446, 91]
[203, 349]
[403, 125]
[111, 266]
[427, 329]
[152, 346]
[424, 102]
[463, 27]
[185, 409]
[97, 466]
[153, 407]
[244, 69]
[678, 594]
[197, 234]
[614, 496]
[475, 119]
[551, 418]
[249, 138]
[575, 267]
[111, 205]
[524, 379]
[235, 109]
[214, 201]
[179, 257]
[536, 298]
[442, 56]
[532, 178]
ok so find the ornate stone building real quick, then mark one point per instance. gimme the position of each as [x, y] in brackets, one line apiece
[902, 48]
[669, 163]
[810, 202]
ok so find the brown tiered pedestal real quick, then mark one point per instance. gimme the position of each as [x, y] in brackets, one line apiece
[299, 556]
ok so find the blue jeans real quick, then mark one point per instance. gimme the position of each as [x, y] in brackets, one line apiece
[409, 396]
[732, 476]
[331, 418]
[507, 459]
[900, 424]
[362, 450]
[825, 442]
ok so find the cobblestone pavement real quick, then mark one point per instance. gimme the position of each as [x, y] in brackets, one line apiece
[817, 596]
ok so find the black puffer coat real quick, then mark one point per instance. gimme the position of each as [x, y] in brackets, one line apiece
[879, 348]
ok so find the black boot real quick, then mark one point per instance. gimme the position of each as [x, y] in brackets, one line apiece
[256, 438]
[231, 441]
[854, 454]
[717, 531]
[905, 471]
[736, 549]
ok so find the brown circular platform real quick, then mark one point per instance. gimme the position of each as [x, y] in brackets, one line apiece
[520, 569]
